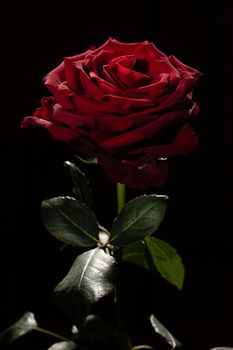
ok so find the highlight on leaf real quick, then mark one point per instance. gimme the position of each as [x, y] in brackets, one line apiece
[66, 345]
[90, 278]
[164, 332]
[23, 326]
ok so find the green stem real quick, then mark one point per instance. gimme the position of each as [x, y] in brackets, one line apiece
[125, 343]
[52, 334]
[120, 196]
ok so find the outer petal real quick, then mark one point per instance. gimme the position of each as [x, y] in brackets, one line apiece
[156, 171]
[142, 174]
[143, 50]
[54, 78]
[113, 124]
[117, 46]
[185, 142]
[159, 68]
[153, 51]
[186, 71]
[46, 109]
[127, 104]
[123, 172]
[57, 132]
[148, 131]
[184, 87]
[63, 96]
[71, 120]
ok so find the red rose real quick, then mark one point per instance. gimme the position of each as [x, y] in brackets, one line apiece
[126, 104]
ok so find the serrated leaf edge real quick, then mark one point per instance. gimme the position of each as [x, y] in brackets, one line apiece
[179, 286]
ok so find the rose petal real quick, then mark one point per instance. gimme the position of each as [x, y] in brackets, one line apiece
[151, 129]
[84, 145]
[46, 109]
[156, 92]
[177, 97]
[109, 87]
[185, 141]
[159, 68]
[146, 132]
[89, 86]
[96, 62]
[125, 104]
[57, 132]
[72, 120]
[156, 171]
[126, 139]
[113, 124]
[123, 172]
[63, 96]
[72, 74]
[113, 45]
[186, 71]
[89, 107]
[140, 175]
[127, 61]
[153, 51]
[129, 77]
[143, 50]
[54, 78]
[112, 78]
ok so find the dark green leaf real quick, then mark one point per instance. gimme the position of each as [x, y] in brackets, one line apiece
[90, 278]
[66, 345]
[161, 330]
[166, 261]
[70, 221]
[136, 253]
[138, 218]
[82, 188]
[24, 325]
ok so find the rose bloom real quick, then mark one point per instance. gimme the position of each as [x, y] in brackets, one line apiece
[127, 104]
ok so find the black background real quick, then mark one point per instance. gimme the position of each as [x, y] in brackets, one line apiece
[35, 37]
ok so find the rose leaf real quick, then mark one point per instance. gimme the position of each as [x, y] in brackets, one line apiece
[139, 218]
[136, 253]
[166, 260]
[90, 278]
[66, 345]
[70, 221]
[82, 187]
[161, 330]
[222, 348]
[23, 326]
